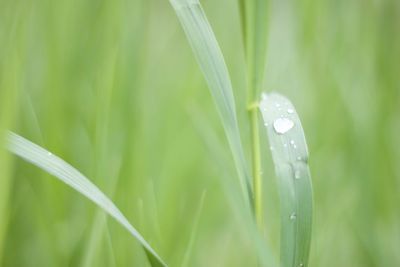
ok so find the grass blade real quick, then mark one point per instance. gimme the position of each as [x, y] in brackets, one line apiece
[60, 169]
[212, 64]
[290, 156]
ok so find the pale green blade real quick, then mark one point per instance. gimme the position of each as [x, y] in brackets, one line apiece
[290, 156]
[212, 64]
[254, 17]
[72, 177]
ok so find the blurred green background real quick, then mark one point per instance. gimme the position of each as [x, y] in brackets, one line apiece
[113, 88]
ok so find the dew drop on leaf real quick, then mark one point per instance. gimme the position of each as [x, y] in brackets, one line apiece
[282, 125]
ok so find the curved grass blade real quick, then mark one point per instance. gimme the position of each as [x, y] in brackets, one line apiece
[212, 64]
[290, 156]
[63, 171]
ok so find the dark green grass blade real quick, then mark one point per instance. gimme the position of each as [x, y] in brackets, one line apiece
[52, 164]
[290, 156]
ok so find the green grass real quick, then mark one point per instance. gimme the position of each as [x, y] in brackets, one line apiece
[255, 19]
[113, 88]
[296, 193]
[66, 173]
[290, 155]
[212, 64]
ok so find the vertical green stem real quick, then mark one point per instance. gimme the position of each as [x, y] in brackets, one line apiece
[256, 164]
[254, 15]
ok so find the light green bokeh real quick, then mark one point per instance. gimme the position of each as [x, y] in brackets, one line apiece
[114, 89]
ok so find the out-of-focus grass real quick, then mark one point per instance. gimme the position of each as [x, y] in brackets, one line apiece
[337, 60]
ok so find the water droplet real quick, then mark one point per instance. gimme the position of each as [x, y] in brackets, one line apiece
[266, 124]
[293, 216]
[290, 111]
[301, 265]
[297, 174]
[292, 142]
[285, 145]
[49, 154]
[277, 105]
[298, 158]
[271, 148]
[294, 146]
[282, 125]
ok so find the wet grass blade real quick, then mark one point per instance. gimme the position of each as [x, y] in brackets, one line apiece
[212, 64]
[52, 164]
[290, 156]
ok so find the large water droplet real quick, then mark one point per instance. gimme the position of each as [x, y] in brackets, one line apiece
[282, 125]
[293, 216]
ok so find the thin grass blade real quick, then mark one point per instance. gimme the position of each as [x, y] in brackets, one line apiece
[290, 156]
[212, 64]
[52, 164]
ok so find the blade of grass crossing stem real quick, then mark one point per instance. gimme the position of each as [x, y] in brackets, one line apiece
[212, 64]
[290, 156]
[52, 164]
